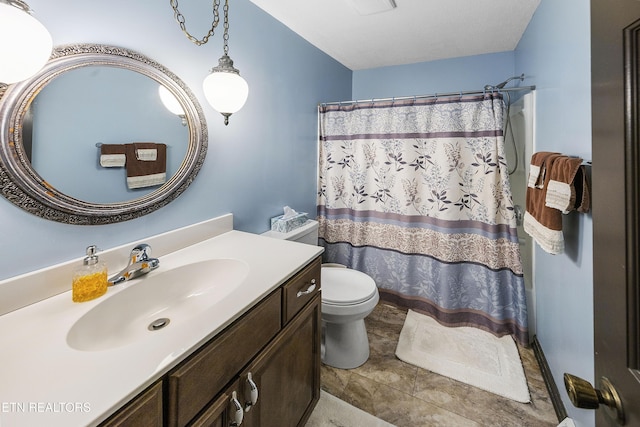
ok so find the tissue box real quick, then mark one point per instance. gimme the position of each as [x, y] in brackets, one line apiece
[278, 223]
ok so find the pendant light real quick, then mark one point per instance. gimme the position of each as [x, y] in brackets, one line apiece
[25, 44]
[226, 91]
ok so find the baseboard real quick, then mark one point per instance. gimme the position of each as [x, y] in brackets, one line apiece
[552, 388]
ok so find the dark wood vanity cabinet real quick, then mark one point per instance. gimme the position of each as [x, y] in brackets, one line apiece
[286, 373]
[284, 377]
[203, 375]
[144, 410]
[271, 355]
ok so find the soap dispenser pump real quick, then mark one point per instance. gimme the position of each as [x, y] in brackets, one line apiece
[89, 280]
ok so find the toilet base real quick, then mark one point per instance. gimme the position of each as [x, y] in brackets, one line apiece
[345, 345]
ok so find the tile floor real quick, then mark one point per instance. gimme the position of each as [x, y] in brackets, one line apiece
[408, 396]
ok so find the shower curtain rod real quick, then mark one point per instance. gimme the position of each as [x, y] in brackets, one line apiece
[434, 95]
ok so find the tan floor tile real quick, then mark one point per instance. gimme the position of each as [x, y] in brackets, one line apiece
[334, 380]
[405, 395]
[399, 408]
[482, 406]
[385, 368]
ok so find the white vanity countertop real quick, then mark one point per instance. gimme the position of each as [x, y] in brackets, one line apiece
[45, 382]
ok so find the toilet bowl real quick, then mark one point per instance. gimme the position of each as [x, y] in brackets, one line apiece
[348, 296]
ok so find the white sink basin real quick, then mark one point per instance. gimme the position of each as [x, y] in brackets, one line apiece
[156, 303]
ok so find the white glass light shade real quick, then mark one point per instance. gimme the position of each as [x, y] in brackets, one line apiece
[170, 101]
[25, 44]
[226, 92]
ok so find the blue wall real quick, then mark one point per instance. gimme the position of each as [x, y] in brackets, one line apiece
[264, 159]
[555, 51]
[447, 75]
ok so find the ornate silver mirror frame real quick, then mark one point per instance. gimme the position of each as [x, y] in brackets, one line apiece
[22, 185]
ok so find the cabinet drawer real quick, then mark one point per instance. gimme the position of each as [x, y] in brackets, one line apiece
[200, 378]
[299, 290]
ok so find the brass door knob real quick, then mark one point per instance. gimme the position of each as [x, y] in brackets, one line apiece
[584, 395]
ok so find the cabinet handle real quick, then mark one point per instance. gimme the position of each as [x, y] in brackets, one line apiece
[238, 414]
[311, 288]
[253, 393]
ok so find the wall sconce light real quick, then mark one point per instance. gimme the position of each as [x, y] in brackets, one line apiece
[25, 44]
[224, 88]
[171, 103]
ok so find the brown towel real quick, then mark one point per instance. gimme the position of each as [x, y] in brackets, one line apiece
[144, 170]
[543, 223]
[537, 169]
[568, 189]
[583, 195]
[112, 155]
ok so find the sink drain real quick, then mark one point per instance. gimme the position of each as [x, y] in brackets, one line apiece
[158, 324]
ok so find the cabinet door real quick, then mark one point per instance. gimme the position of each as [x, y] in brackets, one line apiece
[225, 411]
[286, 374]
[144, 410]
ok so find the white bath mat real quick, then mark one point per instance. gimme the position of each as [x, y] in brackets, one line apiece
[333, 412]
[466, 354]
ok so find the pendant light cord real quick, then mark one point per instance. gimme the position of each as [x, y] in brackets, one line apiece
[225, 36]
[216, 19]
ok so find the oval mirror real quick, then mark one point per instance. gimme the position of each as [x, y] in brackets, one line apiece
[88, 140]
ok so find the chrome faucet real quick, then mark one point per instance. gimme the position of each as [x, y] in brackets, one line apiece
[140, 262]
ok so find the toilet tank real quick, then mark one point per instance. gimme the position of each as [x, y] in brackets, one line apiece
[307, 233]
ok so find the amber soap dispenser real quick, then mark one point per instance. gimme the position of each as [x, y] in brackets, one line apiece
[89, 280]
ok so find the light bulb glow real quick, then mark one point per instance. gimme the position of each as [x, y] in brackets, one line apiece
[169, 101]
[226, 92]
[25, 44]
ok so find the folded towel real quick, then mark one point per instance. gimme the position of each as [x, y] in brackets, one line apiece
[141, 170]
[538, 170]
[541, 222]
[568, 189]
[112, 155]
[147, 154]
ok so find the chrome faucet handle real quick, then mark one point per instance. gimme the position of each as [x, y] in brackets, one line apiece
[140, 262]
[142, 252]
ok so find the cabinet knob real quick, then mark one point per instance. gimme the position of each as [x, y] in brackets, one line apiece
[252, 398]
[238, 413]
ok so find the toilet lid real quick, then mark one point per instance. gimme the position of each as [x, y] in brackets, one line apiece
[344, 286]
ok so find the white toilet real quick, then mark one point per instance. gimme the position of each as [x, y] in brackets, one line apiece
[348, 296]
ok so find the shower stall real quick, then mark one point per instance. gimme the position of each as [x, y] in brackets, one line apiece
[519, 146]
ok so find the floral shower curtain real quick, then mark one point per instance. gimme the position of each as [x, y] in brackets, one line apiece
[416, 194]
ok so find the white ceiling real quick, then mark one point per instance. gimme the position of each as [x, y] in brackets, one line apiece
[415, 31]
